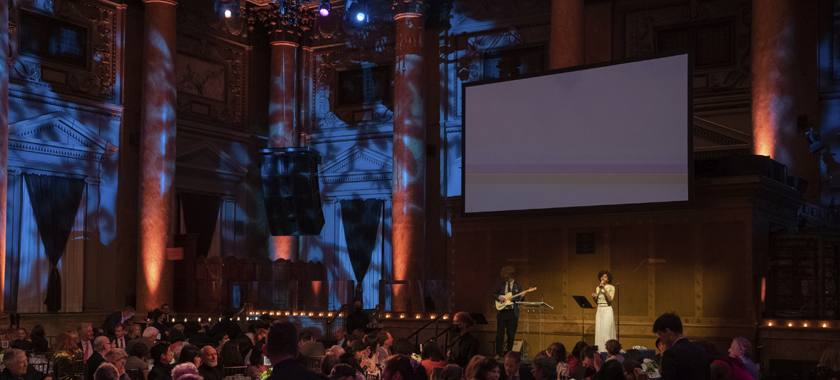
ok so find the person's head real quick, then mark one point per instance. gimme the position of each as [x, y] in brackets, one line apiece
[358, 306]
[489, 369]
[360, 350]
[165, 308]
[22, 333]
[472, 366]
[451, 372]
[463, 320]
[136, 331]
[208, 356]
[127, 312]
[432, 351]
[185, 371]
[403, 346]
[611, 370]
[191, 354]
[358, 334]
[66, 342]
[38, 332]
[340, 333]
[385, 339]
[161, 352]
[117, 357]
[306, 336]
[657, 344]
[139, 351]
[557, 351]
[342, 371]
[229, 355]
[85, 331]
[544, 368]
[513, 360]
[398, 367]
[151, 333]
[15, 361]
[281, 341]
[106, 371]
[829, 359]
[158, 316]
[578, 349]
[613, 347]
[669, 328]
[372, 341]
[587, 356]
[120, 330]
[634, 355]
[102, 344]
[605, 276]
[508, 272]
[739, 348]
[329, 362]
[630, 366]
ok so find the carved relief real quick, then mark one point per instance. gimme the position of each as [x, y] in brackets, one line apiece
[486, 10]
[375, 35]
[201, 15]
[95, 76]
[643, 25]
[211, 78]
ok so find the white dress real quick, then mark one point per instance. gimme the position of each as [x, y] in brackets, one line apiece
[604, 318]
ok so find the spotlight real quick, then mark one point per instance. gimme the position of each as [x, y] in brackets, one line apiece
[227, 8]
[228, 13]
[324, 8]
[357, 13]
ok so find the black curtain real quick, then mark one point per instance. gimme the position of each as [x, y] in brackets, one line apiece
[200, 214]
[361, 221]
[55, 202]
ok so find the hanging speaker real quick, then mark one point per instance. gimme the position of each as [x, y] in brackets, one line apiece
[291, 191]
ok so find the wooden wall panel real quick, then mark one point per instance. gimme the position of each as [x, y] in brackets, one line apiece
[583, 268]
[674, 277]
[506, 248]
[545, 267]
[471, 267]
[628, 248]
[724, 264]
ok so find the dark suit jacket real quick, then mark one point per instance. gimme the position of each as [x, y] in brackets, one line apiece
[463, 349]
[111, 322]
[160, 371]
[31, 374]
[685, 361]
[210, 373]
[290, 370]
[499, 290]
[524, 373]
[93, 363]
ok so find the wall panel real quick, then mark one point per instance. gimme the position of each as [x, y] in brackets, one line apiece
[673, 266]
[724, 279]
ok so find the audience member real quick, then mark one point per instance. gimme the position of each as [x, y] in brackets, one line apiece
[722, 365]
[22, 342]
[137, 360]
[185, 371]
[361, 353]
[545, 368]
[229, 356]
[357, 319]
[658, 357]
[385, 343]
[399, 367]
[256, 362]
[465, 345]
[106, 371]
[358, 334]
[120, 338]
[740, 349]
[341, 338]
[190, 354]
[432, 356]
[614, 351]
[161, 357]
[372, 342]
[451, 372]
[245, 342]
[557, 351]
[634, 355]
[148, 339]
[680, 359]
[514, 369]
[308, 346]
[118, 317]
[828, 365]
[489, 369]
[343, 372]
[101, 346]
[39, 339]
[281, 347]
[85, 332]
[167, 312]
[66, 352]
[633, 370]
[611, 370]
[18, 368]
[472, 367]
[329, 362]
[117, 357]
[574, 359]
[590, 361]
[209, 368]
[135, 332]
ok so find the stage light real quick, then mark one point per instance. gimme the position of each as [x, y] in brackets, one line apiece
[324, 8]
[227, 8]
[805, 325]
[358, 13]
[790, 324]
[824, 325]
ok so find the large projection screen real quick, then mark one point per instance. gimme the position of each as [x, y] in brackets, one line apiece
[610, 135]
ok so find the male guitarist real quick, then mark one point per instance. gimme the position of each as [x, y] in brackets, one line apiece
[508, 317]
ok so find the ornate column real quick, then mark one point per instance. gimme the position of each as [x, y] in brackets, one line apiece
[4, 138]
[157, 151]
[773, 91]
[285, 30]
[409, 181]
[567, 47]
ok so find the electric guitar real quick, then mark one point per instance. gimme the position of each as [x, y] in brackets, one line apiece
[508, 297]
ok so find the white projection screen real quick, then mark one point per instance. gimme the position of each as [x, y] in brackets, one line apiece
[618, 134]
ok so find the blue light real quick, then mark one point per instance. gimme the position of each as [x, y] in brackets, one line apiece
[360, 16]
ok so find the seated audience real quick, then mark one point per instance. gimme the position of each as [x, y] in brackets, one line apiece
[356, 358]
[611, 370]
[614, 351]
[722, 365]
[633, 370]
[185, 371]
[134, 332]
[740, 349]
[117, 357]
[451, 372]
[432, 357]
[281, 347]
[489, 369]
[101, 346]
[118, 317]
[148, 339]
[308, 346]
[256, 361]
[22, 342]
[472, 367]
[137, 360]
[190, 354]
[574, 358]
[589, 364]
[514, 369]
[106, 371]
[557, 351]
[329, 362]
[120, 336]
[161, 357]
[39, 339]
[398, 367]
[545, 368]
[18, 368]
[658, 357]
[344, 372]
[634, 355]
[209, 368]
[385, 341]
[341, 338]
[828, 365]
[66, 352]
[85, 334]
[229, 355]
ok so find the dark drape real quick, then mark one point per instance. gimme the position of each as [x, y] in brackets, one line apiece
[200, 214]
[361, 221]
[55, 202]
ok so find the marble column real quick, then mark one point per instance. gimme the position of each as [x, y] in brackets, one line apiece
[282, 121]
[409, 178]
[4, 138]
[773, 90]
[567, 47]
[157, 155]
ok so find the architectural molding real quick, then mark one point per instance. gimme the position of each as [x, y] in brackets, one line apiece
[60, 135]
[206, 157]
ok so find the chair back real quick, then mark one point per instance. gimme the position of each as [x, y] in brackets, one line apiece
[79, 368]
[134, 374]
[314, 362]
[372, 376]
[232, 371]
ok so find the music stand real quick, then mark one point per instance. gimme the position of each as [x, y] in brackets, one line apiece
[534, 305]
[584, 304]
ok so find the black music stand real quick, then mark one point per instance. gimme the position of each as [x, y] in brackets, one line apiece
[584, 304]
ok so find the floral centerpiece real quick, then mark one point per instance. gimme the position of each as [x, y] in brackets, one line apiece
[651, 368]
[266, 374]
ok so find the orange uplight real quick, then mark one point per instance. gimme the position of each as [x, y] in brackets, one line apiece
[790, 324]
[770, 324]
[824, 325]
[805, 325]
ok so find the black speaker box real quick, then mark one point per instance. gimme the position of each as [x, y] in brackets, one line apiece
[291, 191]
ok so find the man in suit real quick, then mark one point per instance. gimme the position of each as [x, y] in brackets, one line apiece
[514, 369]
[161, 354]
[209, 364]
[120, 338]
[309, 347]
[341, 337]
[281, 347]
[681, 359]
[85, 331]
[18, 367]
[115, 318]
[508, 318]
[101, 346]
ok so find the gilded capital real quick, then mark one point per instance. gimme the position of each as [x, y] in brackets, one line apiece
[408, 6]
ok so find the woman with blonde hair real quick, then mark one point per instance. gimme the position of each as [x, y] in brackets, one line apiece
[472, 367]
[66, 353]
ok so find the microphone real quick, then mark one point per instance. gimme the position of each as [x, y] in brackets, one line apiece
[618, 284]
